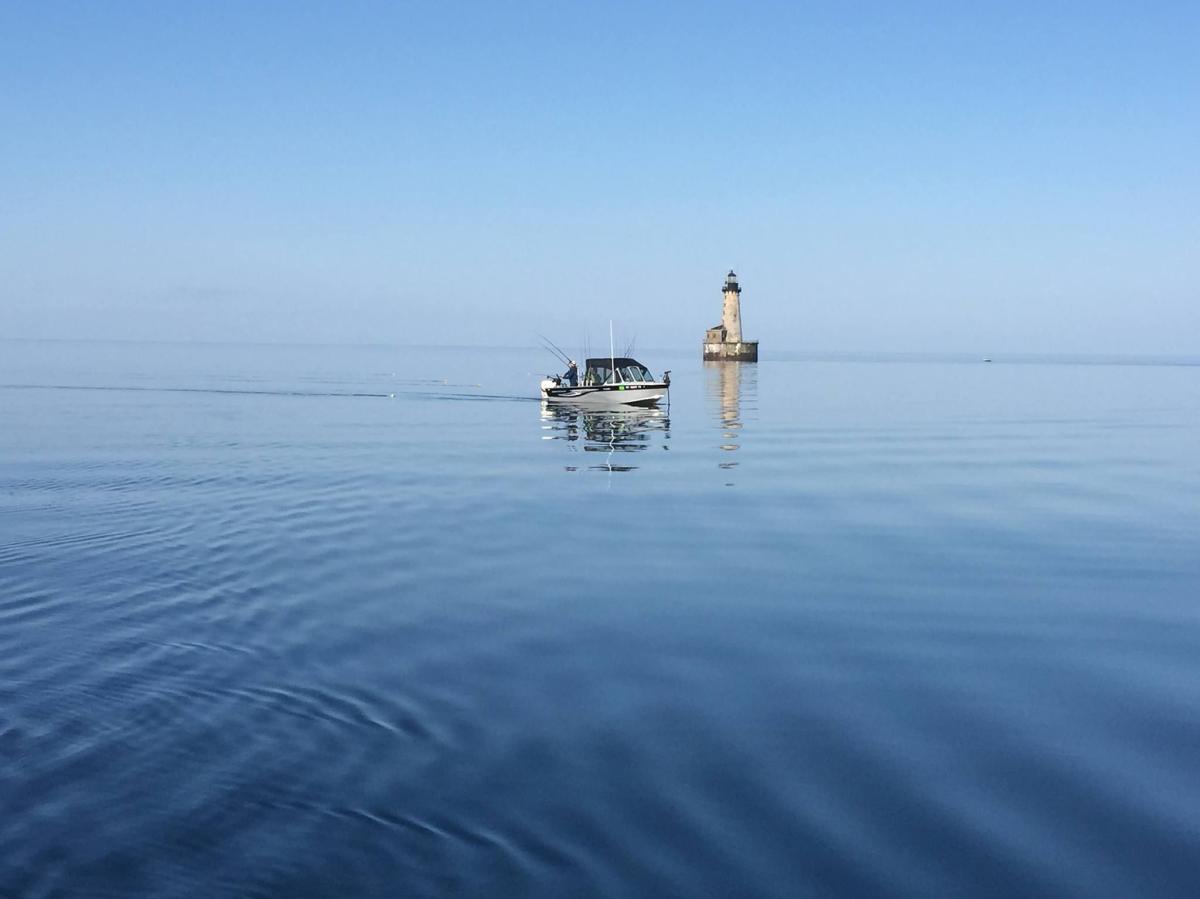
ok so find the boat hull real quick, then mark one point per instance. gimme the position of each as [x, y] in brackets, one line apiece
[606, 394]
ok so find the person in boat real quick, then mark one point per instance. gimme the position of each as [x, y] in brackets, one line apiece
[571, 378]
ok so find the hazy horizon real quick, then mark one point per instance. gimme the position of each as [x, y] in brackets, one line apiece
[775, 353]
[945, 180]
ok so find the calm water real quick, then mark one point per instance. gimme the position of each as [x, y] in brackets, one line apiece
[829, 628]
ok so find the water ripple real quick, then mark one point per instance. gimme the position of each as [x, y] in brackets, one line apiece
[941, 638]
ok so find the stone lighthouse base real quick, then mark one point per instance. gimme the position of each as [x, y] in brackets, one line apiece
[731, 351]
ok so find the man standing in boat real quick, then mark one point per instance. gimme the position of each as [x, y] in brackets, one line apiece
[571, 378]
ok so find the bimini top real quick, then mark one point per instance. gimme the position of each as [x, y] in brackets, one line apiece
[606, 362]
[629, 371]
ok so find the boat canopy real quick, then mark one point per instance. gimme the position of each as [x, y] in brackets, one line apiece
[628, 371]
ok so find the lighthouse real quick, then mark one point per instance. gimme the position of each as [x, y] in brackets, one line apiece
[731, 317]
[723, 342]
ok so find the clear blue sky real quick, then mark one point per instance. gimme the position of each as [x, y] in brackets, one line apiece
[883, 176]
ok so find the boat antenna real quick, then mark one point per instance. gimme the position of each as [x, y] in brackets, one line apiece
[612, 356]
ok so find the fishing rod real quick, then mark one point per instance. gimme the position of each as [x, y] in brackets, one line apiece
[552, 347]
[560, 350]
[555, 354]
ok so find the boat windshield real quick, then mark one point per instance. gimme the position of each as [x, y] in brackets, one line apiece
[635, 373]
[627, 371]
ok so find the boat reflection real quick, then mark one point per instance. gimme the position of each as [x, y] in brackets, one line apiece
[607, 431]
[729, 386]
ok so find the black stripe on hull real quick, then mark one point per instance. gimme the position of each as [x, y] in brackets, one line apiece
[582, 400]
[574, 393]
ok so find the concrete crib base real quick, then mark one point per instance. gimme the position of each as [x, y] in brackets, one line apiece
[731, 351]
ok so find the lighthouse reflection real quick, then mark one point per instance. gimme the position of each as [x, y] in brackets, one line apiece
[730, 386]
[611, 432]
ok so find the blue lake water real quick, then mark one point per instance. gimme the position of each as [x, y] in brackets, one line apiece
[316, 621]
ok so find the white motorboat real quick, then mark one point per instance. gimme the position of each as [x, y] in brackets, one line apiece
[610, 381]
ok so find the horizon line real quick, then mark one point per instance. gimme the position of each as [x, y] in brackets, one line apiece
[1009, 355]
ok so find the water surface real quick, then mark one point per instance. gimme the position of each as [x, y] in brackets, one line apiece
[298, 621]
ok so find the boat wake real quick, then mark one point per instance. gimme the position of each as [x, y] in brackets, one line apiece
[217, 390]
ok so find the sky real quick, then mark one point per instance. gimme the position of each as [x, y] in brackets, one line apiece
[902, 177]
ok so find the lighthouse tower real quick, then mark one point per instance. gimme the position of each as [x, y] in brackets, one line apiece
[723, 342]
[731, 318]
